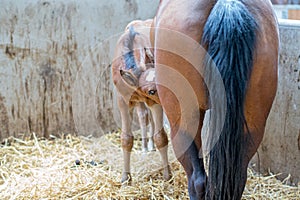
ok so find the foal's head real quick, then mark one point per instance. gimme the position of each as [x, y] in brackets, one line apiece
[139, 72]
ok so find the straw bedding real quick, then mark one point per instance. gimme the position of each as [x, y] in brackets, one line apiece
[73, 167]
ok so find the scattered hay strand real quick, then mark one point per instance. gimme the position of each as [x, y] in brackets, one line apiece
[87, 168]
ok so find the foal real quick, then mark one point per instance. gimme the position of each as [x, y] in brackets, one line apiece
[134, 77]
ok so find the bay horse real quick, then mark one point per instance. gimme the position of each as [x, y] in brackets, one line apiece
[133, 75]
[218, 57]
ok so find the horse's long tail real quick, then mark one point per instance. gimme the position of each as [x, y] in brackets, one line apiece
[230, 36]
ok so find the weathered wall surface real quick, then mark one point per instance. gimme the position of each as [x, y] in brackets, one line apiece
[54, 63]
[280, 149]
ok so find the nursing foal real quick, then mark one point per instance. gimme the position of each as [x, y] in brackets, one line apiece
[134, 77]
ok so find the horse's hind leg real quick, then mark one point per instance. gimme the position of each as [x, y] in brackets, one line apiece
[160, 138]
[251, 144]
[258, 104]
[186, 148]
[126, 138]
[143, 117]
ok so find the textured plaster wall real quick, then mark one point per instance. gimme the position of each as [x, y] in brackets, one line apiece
[54, 63]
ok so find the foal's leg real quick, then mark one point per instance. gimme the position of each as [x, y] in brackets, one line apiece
[151, 132]
[143, 116]
[161, 138]
[126, 138]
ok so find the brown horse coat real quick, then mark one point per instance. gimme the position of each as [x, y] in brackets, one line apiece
[241, 38]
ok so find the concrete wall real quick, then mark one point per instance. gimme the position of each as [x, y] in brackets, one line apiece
[54, 63]
[280, 149]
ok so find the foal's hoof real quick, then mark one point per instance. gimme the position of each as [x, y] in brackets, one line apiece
[126, 178]
[167, 177]
[167, 173]
[151, 146]
[144, 150]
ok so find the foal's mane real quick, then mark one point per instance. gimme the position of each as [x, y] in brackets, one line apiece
[128, 49]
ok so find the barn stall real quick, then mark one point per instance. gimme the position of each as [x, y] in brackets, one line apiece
[55, 84]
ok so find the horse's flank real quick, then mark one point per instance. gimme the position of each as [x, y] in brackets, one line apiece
[241, 38]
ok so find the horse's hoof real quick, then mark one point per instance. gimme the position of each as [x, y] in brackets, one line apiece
[200, 188]
[198, 185]
[126, 178]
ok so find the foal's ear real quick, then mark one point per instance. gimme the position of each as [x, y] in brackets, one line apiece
[149, 54]
[129, 78]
